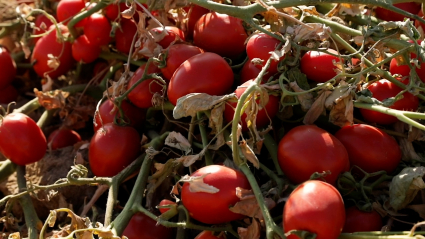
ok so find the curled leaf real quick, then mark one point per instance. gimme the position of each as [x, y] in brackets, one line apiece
[405, 186]
[306, 99]
[190, 104]
[178, 141]
[196, 184]
[248, 153]
[51, 99]
[317, 108]
[253, 231]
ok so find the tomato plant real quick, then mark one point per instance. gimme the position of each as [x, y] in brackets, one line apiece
[307, 149]
[141, 95]
[63, 137]
[84, 51]
[21, 140]
[67, 9]
[361, 221]
[317, 207]
[319, 66]
[142, 226]
[259, 46]
[172, 34]
[250, 71]
[208, 235]
[163, 203]
[97, 29]
[388, 15]
[213, 208]
[41, 24]
[7, 67]
[124, 35]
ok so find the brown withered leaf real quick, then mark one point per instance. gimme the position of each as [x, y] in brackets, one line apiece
[248, 204]
[52, 99]
[305, 99]
[249, 154]
[318, 108]
[253, 231]
[310, 31]
[178, 141]
[196, 184]
[53, 62]
[408, 152]
[309, 10]
[216, 124]
[192, 103]
[188, 160]
[346, 9]
[342, 113]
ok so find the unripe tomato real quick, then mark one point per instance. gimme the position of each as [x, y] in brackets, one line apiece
[7, 68]
[360, 221]
[142, 226]
[63, 137]
[319, 66]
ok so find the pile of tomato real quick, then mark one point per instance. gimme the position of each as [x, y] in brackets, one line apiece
[146, 62]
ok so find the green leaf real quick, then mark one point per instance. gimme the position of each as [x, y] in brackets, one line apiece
[295, 74]
[405, 186]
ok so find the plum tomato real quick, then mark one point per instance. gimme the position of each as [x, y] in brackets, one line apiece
[264, 115]
[319, 66]
[41, 24]
[84, 51]
[307, 149]
[21, 140]
[63, 137]
[113, 149]
[97, 29]
[221, 34]
[259, 46]
[142, 226]
[8, 94]
[361, 221]
[67, 9]
[388, 15]
[370, 148]
[404, 70]
[384, 89]
[213, 208]
[250, 71]
[141, 95]
[194, 12]
[203, 73]
[208, 235]
[173, 34]
[124, 35]
[7, 67]
[317, 207]
[165, 202]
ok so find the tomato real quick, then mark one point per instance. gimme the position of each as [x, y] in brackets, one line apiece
[21, 140]
[165, 202]
[404, 70]
[319, 66]
[7, 68]
[194, 12]
[360, 221]
[97, 29]
[382, 90]
[41, 24]
[141, 96]
[67, 9]
[63, 137]
[217, 77]
[418, 23]
[173, 33]
[250, 71]
[50, 45]
[213, 208]
[317, 207]
[259, 46]
[307, 149]
[264, 115]
[176, 55]
[112, 150]
[208, 235]
[388, 15]
[124, 35]
[142, 226]
[8, 94]
[84, 51]
[370, 148]
[221, 34]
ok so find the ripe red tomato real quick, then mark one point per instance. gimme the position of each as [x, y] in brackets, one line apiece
[384, 89]
[7, 68]
[176, 55]
[124, 35]
[165, 202]
[67, 9]
[141, 96]
[388, 15]
[213, 208]
[319, 66]
[250, 71]
[317, 207]
[208, 235]
[97, 29]
[8, 94]
[142, 226]
[40, 20]
[259, 46]
[360, 221]
[84, 51]
[307, 149]
[194, 12]
[404, 70]
[217, 77]
[112, 150]
[63, 137]
[173, 33]
[21, 140]
[221, 34]
[370, 148]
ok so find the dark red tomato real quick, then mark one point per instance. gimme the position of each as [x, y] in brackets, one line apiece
[250, 71]
[360, 221]
[388, 15]
[41, 24]
[8, 94]
[194, 12]
[317, 207]
[176, 55]
[142, 226]
[141, 96]
[404, 70]
[221, 34]
[384, 89]
[173, 34]
[100, 70]
[213, 208]
[84, 51]
[165, 202]
[7, 68]
[217, 77]
[208, 235]
[108, 111]
[319, 66]
[67, 9]
[370, 148]
[21, 140]
[124, 35]
[307, 149]
[51, 45]
[97, 29]
[113, 149]
[264, 115]
[259, 46]
[112, 11]
[62, 137]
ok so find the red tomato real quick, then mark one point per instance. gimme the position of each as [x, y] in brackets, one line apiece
[207, 235]
[404, 70]
[217, 77]
[112, 150]
[221, 34]
[418, 23]
[360, 221]
[176, 55]
[263, 115]
[8, 94]
[213, 208]
[62, 137]
[259, 46]
[317, 207]
[250, 71]
[194, 12]
[7, 68]
[165, 202]
[40, 20]
[173, 33]
[307, 149]
[124, 35]
[388, 15]
[21, 140]
[83, 50]
[67, 9]
[97, 29]
[382, 90]
[370, 148]
[141, 96]
[142, 226]
[319, 66]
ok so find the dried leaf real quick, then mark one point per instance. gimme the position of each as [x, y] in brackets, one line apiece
[306, 99]
[317, 108]
[178, 141]
[252, 232]
[52, 99]
[405, 186]
[249, 154]
[196, 184]
[248, 204]
[190, 104]
[309, 31]
[216, 124]
[53, 61]
[189, 159]
[342, 113]
[15, 235]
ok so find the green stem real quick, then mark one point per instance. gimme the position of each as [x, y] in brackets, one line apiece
[109, 75]
[29, 107]
[204, 137]
[271, 146]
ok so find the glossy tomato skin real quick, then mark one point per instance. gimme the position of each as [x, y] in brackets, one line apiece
[250, 71]
[388, 15]
[21, 140]
[97, 29]
[113, 149]
[142, 226]
[213, 208]
[319, 66]
[217, 77]
[84, 51]
[360, 221]
[259, 46]
[221, 34]
[7, 68]
[194, 12]
[207, 235]
[317, 207]
[370, 148]
[176, 55]
[124, 35]
[63, 137]
[8, 94]
[40, 20]
[173, 34]
[165, 202]
[384, 89]
[307, 149]
[67, 9]
[141, 96]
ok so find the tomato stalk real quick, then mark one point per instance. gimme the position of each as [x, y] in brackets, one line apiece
[204, 137]
[80, 16]
[271, 146]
